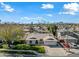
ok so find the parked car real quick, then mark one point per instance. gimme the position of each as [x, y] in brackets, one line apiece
[73, 45]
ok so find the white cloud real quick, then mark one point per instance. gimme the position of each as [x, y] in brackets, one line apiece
[49, 15]
[6, 7]
[32, 18]
[70, 13]
[37, 19]
[27, 18]
[70, 8]
[47, 6]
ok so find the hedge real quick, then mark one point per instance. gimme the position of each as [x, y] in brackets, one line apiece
[29, 47]
[22, 47]
[19, 42]
[38, 49]
[5, 46]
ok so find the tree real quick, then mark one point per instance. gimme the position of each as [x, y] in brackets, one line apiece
[52, 29]
[10, 33]
[31, 27]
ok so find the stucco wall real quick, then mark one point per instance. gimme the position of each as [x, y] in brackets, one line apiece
[33, 42]
[50, 42]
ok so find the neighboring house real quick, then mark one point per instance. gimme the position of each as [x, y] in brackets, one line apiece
[76, 28]
[60, 33]
[38, 38]
[41, 29]
[68, 37]
[26, 29]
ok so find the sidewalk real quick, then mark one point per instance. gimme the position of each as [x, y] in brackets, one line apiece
[76, 51]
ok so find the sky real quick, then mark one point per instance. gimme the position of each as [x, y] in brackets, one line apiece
[39, 12]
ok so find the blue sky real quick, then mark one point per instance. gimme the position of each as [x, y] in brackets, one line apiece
[27, 12]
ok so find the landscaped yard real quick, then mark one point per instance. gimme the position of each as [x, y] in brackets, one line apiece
[22, 49]
[29, 47]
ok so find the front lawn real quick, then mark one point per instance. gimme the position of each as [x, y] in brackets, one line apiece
[20, 45]
[29, 47]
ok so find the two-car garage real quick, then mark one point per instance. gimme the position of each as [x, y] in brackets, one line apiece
[50, 41]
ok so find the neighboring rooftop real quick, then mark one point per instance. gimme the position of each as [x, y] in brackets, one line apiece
[67, 37]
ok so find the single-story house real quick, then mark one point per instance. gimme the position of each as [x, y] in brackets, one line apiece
[68, 38]
[49, 40]
[39, 38]
[26, 29]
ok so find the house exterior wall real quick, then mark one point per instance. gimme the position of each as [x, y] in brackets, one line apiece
[50, 42]
[32, 42]
[44, 42]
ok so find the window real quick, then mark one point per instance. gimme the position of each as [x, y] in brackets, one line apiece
[50, 39]
[30, 42]
[41, 39]
[36, 42]
[0, 41]
[32, 38]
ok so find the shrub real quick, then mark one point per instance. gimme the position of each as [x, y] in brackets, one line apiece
[17, 52]
[28, 47]
[0, 46]
[19, 42]
[38, 49]
[5, 46]
[22, 47]
[41, 50]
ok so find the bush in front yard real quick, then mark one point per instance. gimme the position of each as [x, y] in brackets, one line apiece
[19, 42]
[38, 49]
[28, 47]
[41, 50]
[0, 46]
[5, 46]
[22, 47]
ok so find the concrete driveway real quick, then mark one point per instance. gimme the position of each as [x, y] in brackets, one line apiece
[52, 51]
[75, 53]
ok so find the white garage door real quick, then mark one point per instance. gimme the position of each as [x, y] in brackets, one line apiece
[50, 43]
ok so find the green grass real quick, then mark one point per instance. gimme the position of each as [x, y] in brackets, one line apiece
[29, 47]
[5, 46]
[38, 49]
